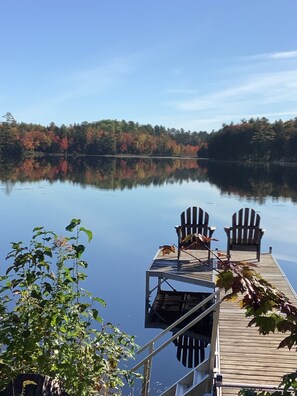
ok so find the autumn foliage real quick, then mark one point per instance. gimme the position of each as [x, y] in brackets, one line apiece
[106, 137]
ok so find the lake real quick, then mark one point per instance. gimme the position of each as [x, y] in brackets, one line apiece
[132, 206]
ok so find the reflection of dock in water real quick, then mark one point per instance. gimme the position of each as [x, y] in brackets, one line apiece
[171, 304]
[165, 304]
[167, 308]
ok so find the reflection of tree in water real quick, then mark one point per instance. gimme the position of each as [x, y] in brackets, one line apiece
[247, 180]
[105, 173]
[253, 180]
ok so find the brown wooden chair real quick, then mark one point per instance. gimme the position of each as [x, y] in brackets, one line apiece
[245, 232]
[194, 221]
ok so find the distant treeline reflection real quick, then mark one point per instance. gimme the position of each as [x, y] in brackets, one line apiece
[246, 180]
[103, 172]
[256, 181]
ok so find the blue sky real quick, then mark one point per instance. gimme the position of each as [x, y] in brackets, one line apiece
[191, 64]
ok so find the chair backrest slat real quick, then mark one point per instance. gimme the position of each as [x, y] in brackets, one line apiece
[194, 221]
[245, 226]
[189, 221]
[251, 231]
[246, 223]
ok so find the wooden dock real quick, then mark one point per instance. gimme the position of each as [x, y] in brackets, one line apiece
[193, 268]
[245, 358]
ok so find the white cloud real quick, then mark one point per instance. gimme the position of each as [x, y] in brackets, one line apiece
[264, 89]
[273, 55]
[284, 55]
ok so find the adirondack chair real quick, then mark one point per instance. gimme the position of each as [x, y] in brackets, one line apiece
[193, 221]
[245, 232]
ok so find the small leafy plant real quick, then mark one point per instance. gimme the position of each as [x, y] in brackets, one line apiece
[49, 325]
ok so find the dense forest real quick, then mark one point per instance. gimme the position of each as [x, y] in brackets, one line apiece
[105, 137]
[253, 140]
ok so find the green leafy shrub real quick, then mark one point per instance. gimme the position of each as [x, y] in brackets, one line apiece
[51, 326]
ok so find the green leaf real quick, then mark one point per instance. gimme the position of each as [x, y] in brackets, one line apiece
[48, 252]
[79, 249]
[266, 324]
[48, 287]
[81, 275]
[73, 224]
[87, 232]
[96, 315]
[225, 280]
[100, 300]
[82, 263]
[83, 306]
[9, 269]
[288, 342]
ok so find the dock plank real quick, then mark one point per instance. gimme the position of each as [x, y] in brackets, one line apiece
[193, 267]
[245, 356]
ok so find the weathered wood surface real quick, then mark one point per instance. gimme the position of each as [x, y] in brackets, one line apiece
[192, 267]
[245, 356]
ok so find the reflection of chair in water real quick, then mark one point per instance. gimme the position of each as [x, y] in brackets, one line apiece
[190, 350]
[193, 221]
[245, 232]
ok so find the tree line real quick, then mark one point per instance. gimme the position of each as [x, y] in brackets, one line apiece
[255, 140]
[105, 137]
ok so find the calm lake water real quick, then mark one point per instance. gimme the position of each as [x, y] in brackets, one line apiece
[132, 206]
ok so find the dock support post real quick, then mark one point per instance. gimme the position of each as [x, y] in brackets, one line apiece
[147, 296]
[147, 369]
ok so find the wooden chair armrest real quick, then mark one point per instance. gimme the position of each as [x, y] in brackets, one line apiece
[227, 230]
[262, 230]
[211, 231]
[177, 228]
